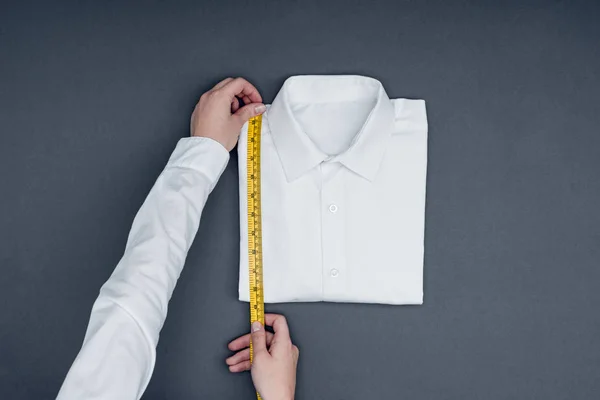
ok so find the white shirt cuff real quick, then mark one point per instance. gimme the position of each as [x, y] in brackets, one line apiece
[201, 154]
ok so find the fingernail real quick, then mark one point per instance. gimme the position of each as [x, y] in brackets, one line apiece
[256, 326]
[260, 109]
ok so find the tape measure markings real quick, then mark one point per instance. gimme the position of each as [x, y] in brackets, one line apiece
[255, 259]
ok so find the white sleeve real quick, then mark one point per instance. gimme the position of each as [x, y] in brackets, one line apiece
[118, 353]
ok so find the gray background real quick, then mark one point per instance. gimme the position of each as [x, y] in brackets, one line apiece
[94, 96]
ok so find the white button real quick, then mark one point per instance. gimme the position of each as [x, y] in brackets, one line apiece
[333, 208]
[334, 272]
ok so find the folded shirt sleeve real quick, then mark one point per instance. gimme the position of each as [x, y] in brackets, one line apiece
[118, 353]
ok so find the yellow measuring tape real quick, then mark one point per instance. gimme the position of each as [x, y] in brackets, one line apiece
[255, 261]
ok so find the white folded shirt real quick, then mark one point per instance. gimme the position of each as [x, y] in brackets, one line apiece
[343, 194]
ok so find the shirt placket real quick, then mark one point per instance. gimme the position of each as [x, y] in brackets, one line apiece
[333, 223]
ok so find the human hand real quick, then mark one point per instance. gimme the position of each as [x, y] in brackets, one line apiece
[218, 115]
[275, 358]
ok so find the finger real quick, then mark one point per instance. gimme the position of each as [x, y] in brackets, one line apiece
[238, 357]
[249, 111]
[235, 105]
[241, 87]
[279, 324]
[241, 367]
[259, 338]
[222, 83]
[244, 341]
[281, 340]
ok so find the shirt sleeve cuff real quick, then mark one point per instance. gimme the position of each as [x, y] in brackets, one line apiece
[201, 154]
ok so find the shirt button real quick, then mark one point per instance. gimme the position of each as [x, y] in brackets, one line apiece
[334, 272]
[333, 208]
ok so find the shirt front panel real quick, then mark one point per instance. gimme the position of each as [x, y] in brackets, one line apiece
[331, 234]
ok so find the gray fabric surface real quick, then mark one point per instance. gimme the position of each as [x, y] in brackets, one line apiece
[94, 95]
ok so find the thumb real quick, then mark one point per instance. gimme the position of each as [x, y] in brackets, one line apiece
[259, 338]
[249, 111]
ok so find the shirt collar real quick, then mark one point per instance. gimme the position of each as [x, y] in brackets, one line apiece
[299, 154]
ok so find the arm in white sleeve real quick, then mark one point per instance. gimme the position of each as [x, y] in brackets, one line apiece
[118, 353]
